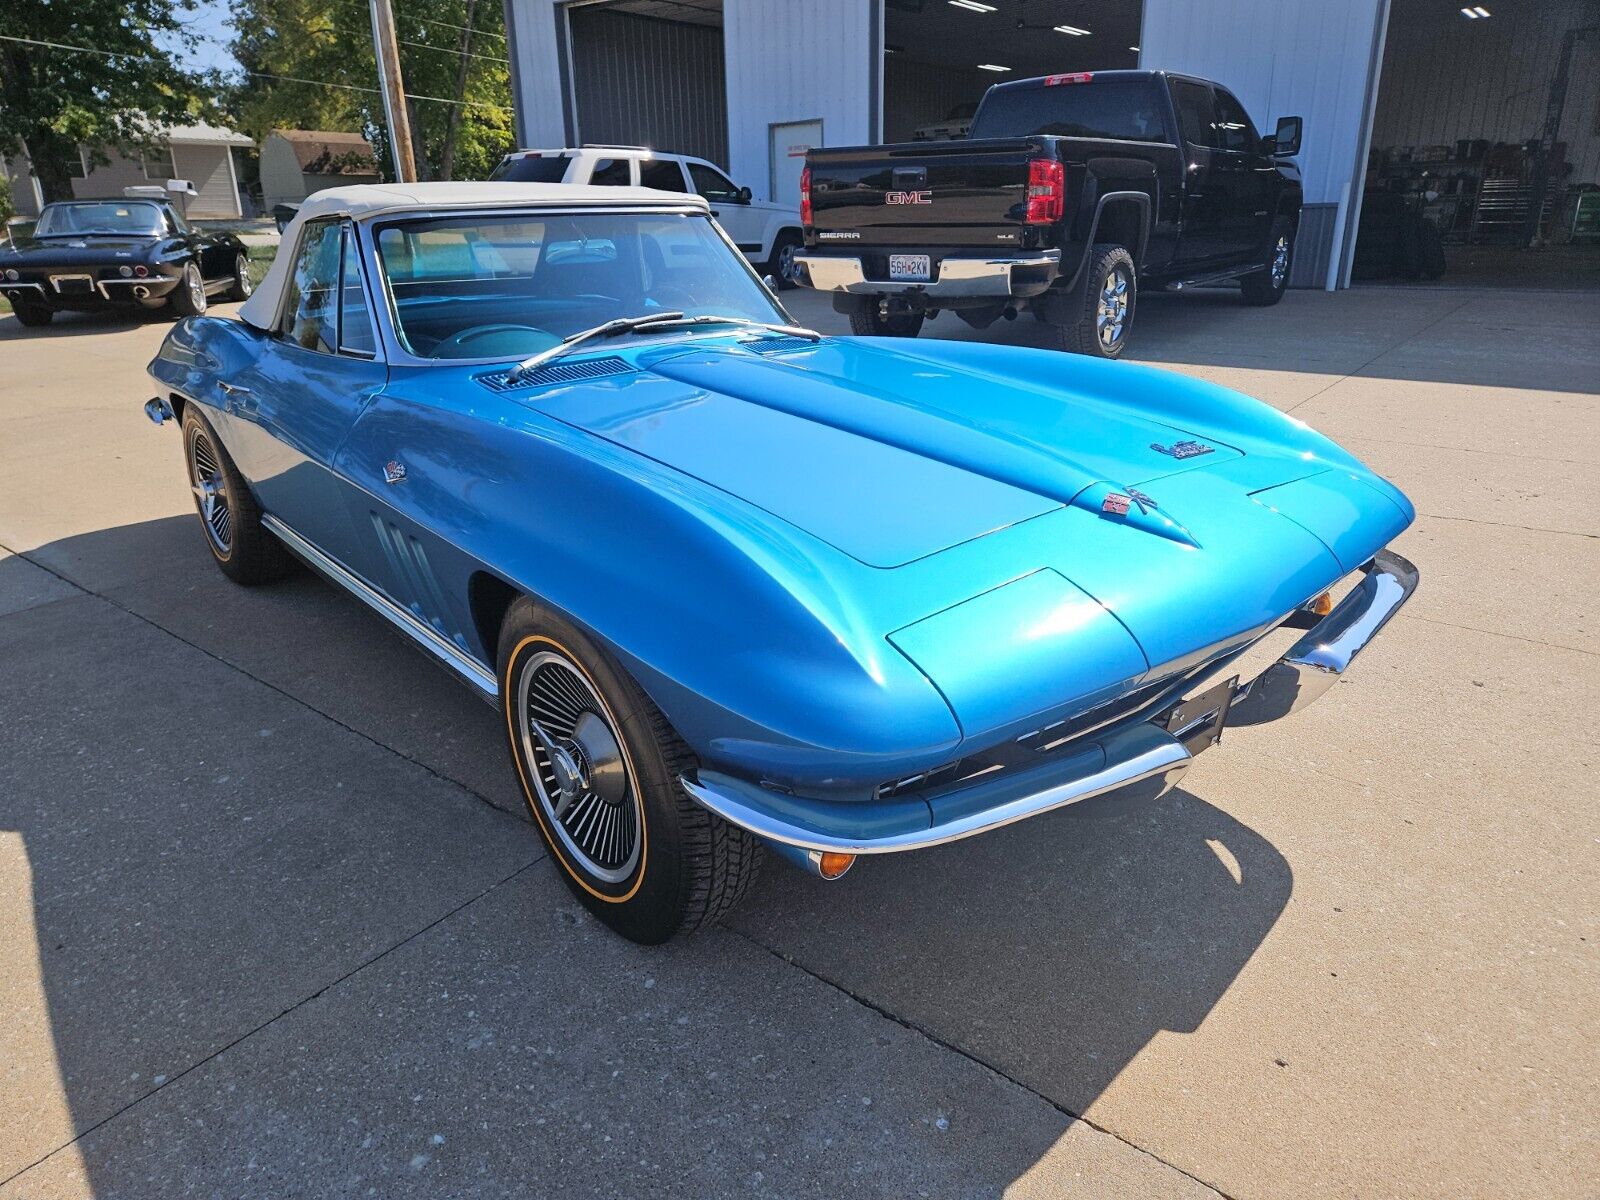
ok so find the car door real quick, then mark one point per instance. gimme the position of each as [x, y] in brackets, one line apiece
[744, 223]
[200, 247]
[1249, 177]
[1202, 238]
[314, 375]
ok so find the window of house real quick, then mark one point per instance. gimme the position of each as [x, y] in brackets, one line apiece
[78, 166]
[158, 165]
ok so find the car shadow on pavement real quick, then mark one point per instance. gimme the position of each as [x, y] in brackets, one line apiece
[78, 324]
[186, 868]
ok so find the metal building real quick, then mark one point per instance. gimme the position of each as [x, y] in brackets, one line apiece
[1514, 159]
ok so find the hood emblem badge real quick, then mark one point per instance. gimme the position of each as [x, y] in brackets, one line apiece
[1182, 449]
[394, 472]
[1118, 503]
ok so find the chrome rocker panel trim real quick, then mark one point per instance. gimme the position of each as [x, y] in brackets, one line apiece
[429, 639]
[1141, 753]
[957, 276]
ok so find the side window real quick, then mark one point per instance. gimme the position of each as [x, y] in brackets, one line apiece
[610, 172]
[355, 320]
[712, 184]
[1193, 103]
[310, 317]
[1234, 130]
[661, 173]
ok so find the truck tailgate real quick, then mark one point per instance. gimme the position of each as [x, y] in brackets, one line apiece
[961, 193]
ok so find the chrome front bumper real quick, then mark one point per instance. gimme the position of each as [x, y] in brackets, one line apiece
[1141, 758]
[957, 277]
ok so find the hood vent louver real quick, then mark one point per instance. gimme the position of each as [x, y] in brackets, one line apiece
[556, 372]
[778, 345]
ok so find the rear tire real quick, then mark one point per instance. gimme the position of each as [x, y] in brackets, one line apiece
[32, 315]
[229, 514]
[189, 297]
[872, 324]
[599, 768]
[1266, 286]
[242, 287]
[1105, 304]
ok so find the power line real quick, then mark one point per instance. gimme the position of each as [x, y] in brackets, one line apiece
[348, 87]
[457, 28]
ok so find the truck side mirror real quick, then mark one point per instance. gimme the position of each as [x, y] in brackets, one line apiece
[745, 195]
[1286, 140]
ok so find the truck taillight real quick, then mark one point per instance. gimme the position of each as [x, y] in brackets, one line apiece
[1047, 191]
[805, 195]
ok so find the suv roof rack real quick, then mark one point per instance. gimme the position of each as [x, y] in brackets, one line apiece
[610, 146]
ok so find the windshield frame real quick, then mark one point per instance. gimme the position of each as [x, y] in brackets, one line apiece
[163, 228]
[399, 354]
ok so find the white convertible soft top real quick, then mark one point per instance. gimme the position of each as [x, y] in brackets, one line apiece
[366, 201]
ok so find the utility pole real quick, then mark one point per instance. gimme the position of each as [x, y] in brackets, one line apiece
[394, 92]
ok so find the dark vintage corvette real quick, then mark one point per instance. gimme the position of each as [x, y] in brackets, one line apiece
[90, 255]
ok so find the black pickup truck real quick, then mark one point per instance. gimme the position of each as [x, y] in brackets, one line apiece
[1071, 192]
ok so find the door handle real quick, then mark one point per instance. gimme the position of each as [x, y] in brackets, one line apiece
[240, 399]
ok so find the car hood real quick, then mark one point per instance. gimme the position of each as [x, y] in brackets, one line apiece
[1091, 525]
[885, 459]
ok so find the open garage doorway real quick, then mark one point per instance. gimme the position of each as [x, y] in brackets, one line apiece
[648, 73]
[1485, 154]
[939, 56]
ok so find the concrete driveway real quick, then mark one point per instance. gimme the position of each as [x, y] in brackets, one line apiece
[271, 923]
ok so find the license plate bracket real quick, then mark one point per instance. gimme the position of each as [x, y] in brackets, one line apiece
[910, 268]
[1199, 721]
[73, 285]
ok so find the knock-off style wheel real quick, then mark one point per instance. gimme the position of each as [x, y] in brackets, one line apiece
[242, 287]
[243, 548]
[599, 768]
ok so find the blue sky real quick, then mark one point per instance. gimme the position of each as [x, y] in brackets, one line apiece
[210, 20]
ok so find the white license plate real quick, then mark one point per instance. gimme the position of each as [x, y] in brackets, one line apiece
[912, 267]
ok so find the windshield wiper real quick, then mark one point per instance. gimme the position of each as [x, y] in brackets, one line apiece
[572, 341]
[645, 324]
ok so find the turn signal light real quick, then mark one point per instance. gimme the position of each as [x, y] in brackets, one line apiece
[805, 195]
[1322, 605]
[1047, 191]
[832, 864]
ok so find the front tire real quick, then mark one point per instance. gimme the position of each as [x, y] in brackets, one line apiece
[228, 511]
[189, 297]
[32, 315]
[781, 265]
[1266, 286]
[872, 323]
[599, 768]
[1110, 293]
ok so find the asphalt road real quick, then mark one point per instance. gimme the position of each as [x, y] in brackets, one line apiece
[271, 923]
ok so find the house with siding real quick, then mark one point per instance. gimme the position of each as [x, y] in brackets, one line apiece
[201, 154]
[298, 162]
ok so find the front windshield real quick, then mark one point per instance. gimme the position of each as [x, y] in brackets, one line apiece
[511, 286]
[100, 216]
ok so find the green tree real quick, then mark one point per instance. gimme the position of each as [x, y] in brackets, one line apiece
[51, 100]
[309, 64]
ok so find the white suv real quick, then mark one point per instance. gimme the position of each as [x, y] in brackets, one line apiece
[768, 233]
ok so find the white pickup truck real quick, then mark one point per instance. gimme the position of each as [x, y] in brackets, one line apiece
[767, 233]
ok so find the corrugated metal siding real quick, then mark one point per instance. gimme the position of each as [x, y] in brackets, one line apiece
[788, 61]
[1446, 78]
[640, 81]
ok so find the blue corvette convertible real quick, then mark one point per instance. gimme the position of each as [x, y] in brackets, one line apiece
[734, 585]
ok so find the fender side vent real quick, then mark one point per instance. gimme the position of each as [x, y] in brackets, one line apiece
[778, 345]
[556, 372]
